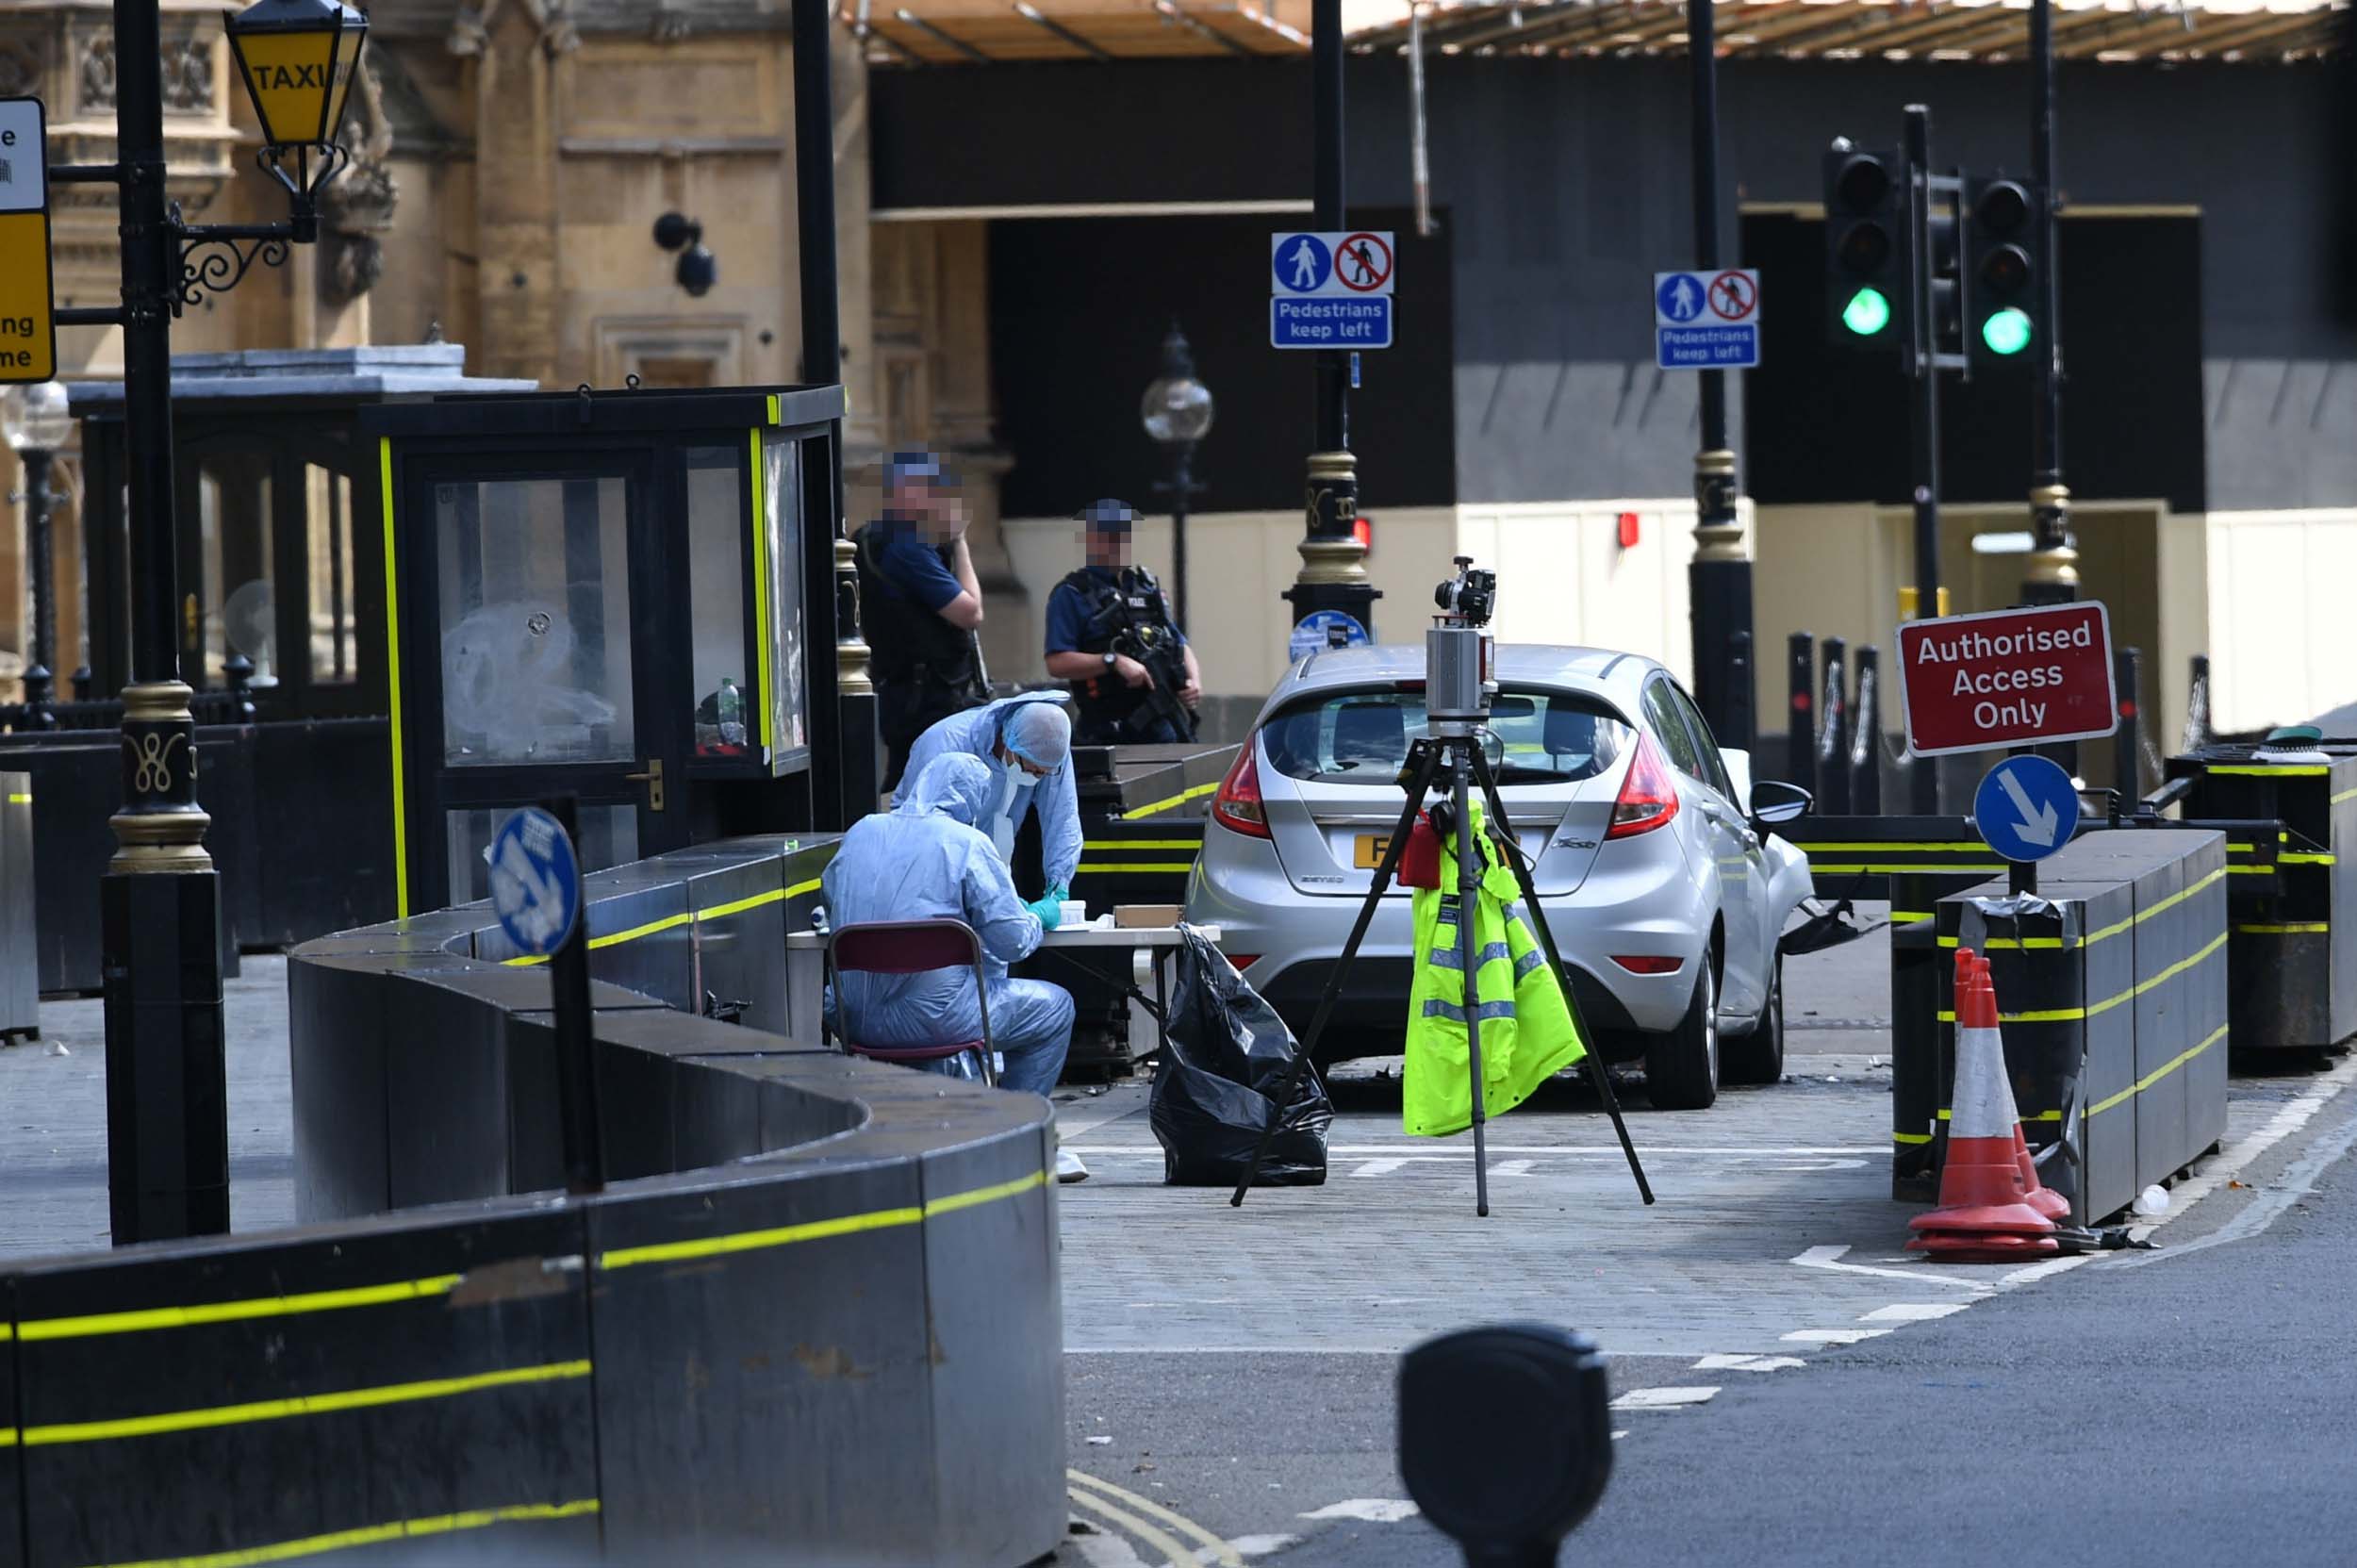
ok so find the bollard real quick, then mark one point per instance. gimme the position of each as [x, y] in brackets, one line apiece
[2127, 741]
[2196, 734]
[1832, 735]
[1866, 746]
[1800, 743]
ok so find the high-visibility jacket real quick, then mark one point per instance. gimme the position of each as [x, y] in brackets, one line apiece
[1526, 1030]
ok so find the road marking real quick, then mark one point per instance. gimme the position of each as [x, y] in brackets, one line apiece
[1378, 1167]
[1262, 1546]
[1371, 1510]
[1662, 1398]
[2298, 1182]
[1221, 1552]
[1913, 1312]
[1510, 1167]
[1827, 1256]
[1104, 1550]
[1833, 1336]
[1155, 1539]
[1748, 1364]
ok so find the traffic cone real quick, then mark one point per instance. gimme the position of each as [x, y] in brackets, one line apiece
[1981, 1215]
[2038, 1195]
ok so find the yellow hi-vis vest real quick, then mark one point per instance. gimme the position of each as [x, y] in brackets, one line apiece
[1526, 1030]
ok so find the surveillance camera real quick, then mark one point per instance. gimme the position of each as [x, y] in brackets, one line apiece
[697, 270]
[674, 230]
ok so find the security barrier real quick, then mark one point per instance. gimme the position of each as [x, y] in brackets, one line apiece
[2112, 983]
[814, 1314]
[20, 966]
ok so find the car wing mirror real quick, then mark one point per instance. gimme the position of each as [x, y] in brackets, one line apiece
[1775, 803]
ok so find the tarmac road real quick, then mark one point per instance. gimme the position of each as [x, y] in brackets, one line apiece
[2192, 1405]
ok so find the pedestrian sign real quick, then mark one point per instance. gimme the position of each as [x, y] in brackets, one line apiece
[28, 317]
[2026, 808]
[535, 881]
[1332, 290]
[1707, 320]
[1323, 629]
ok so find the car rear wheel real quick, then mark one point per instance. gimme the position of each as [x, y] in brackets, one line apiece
[1759, 1057]
[1682, 1067]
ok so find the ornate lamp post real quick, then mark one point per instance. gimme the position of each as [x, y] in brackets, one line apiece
[159, 902]
[1177, 412]
[35, 424]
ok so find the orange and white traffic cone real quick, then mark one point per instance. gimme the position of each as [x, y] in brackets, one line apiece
[2038, 1195]
[1983, 1215]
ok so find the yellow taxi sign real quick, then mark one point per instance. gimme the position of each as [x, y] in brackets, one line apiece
[28, 316]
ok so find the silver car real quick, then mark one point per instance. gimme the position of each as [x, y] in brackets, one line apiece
[1656, 866]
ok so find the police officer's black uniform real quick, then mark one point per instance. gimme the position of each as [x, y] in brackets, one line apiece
[924, 668]
[1127, 608]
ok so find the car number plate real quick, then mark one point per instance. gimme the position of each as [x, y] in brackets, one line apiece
[1371, 848]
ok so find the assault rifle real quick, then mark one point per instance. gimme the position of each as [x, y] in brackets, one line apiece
[1167, 662]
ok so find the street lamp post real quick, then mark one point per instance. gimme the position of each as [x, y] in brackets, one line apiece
[159, 901]
[35, 422]
[1333, 574]
[1176, 411]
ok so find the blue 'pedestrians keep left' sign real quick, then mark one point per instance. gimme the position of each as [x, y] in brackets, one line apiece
[2026, 809]
[535, 881]
[1707, 320]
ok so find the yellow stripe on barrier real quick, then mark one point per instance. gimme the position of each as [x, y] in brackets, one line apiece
[2067, 1014]
[234, 1311]
[1899, 1137]
[371, 1535]
[2278, 770]
[1085, 869]
[2267, 870]
[842, 1225]
[2300, 928]
[1111, 844]
[1898, 916]
[302, 1403]
[2114, 929]
[1179, 800]
[612, 938]
[774, 418]
[392, 684]
[1998, 944]
[795, 890]
[2232, 849]
[1946, 1115]
[717, 912]
[2343, 796]
[2296, 857]
[1896, 847]
[2156, 1075]
[27, 800]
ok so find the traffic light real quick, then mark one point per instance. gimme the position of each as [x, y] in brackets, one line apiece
[1951, 289]
[2005, 251]
[1865, 248]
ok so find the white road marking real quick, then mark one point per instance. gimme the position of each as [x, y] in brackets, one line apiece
[1833, 1336]
[1616, 1436]
[2298, 1182]
[1510, 1167]
[1108, 1551]
[1378, 1167]
[1828, 1258]
[1748, 1364]
[1372, 1511]
[1261, 1546]
[1662, 1398]
[1913, 1312]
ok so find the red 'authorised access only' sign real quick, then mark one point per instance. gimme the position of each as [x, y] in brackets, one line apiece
[1975, 682]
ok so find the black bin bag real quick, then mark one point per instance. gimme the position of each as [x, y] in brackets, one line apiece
[1227, 1053]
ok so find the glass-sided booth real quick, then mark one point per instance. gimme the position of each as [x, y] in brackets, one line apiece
[603, 594]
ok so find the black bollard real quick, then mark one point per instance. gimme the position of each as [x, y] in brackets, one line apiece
[1833, 733]
[1866, 743]
[2127, 741]
[1800, 743]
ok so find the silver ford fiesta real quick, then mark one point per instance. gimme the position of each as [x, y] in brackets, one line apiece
[1656, 862]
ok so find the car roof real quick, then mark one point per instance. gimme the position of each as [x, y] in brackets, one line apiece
[1603, 670]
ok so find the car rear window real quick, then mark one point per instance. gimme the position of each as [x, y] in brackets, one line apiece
[1362, 737]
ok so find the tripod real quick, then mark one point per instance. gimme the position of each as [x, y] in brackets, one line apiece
[1459, 754]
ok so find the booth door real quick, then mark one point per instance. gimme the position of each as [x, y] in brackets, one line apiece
[540, 623]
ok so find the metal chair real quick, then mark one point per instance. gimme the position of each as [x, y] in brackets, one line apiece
[909, 948]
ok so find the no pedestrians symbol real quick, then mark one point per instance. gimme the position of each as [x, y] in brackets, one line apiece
[1734, 296]
[1363, 262]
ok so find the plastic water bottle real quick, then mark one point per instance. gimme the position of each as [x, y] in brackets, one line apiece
[732, 707]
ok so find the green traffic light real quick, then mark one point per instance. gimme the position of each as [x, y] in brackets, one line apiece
[1867, 313]
[2006, 331]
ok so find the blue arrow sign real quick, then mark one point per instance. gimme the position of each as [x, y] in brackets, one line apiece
[2025, 809]
[535, 881]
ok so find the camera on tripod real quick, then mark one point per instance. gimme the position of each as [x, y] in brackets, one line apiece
[1469, 596]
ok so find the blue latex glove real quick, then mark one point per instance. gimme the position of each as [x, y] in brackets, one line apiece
[1050, 908]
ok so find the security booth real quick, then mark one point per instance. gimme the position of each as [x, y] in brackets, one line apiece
[603, 594]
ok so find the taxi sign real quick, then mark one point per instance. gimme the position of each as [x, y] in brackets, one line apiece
[28, 316]
[1979, 682]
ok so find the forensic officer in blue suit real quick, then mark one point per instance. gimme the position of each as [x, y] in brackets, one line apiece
[1026, 742]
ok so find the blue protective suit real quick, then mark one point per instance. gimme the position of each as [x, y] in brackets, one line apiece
[1015, 793]
[923, 860]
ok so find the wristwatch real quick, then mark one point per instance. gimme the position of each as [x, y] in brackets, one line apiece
[1112, 659]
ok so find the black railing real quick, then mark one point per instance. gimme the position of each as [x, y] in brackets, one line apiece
[233, 705]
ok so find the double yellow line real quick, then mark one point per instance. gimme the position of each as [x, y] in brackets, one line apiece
[1115, 1504]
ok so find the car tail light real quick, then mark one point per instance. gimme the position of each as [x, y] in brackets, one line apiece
[1648, 964]
[1648, 798]
[1237, 806]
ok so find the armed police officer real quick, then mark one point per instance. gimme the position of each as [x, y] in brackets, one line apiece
[922, 605]
[1109, 633]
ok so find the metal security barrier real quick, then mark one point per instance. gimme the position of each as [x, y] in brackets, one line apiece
[2112, 993]
[19, 961]
[2293, 903]
[1834, 739]
[814, 1316]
